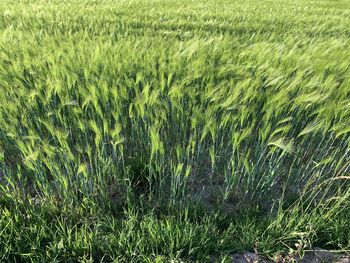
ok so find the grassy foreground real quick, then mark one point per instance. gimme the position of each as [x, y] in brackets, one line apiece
[158, 130]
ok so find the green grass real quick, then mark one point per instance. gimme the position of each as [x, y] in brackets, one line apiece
[158, 130]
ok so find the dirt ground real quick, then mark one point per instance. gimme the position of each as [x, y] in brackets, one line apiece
[317, 256]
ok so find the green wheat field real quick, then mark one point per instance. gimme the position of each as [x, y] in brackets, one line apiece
[173, 130]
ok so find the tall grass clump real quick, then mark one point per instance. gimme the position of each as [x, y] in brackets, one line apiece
[173, 130]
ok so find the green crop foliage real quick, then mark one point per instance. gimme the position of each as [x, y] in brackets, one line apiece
[158, 130]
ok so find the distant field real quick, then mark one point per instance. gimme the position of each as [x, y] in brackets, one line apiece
[151, 131]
